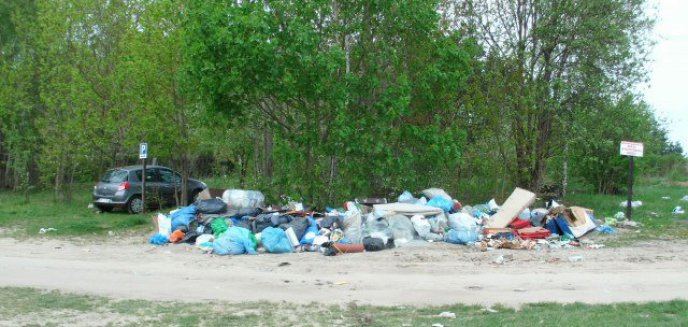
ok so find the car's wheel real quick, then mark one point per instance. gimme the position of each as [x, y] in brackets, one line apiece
[104, 208]
[135, 204]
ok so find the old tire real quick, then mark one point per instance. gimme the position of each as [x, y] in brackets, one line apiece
[135, 204]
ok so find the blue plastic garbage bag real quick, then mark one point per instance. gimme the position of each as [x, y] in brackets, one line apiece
[407, 197]
[559, 226]
[442, 203]
[235, 240]
[462, 236]
[158, 239]
[606, 229]
[311, 232]
[183, 217]
[275, 240]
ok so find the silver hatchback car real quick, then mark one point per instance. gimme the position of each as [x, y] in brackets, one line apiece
[121, 188]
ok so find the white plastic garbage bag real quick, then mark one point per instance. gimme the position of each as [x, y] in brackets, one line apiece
[634, 204]
[402, 229]
[433, 192]
[421, 225]
[243, 199]
[164, 225]
[492, 205]
[353, 230]
[461, 221]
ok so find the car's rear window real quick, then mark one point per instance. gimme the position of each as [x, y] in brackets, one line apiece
[115, 176]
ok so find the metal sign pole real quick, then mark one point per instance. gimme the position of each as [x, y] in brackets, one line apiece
[632, 150]
[143, 155]
[629, 207]
[143, 187]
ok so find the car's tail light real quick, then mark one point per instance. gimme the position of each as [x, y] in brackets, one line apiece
[123, 186]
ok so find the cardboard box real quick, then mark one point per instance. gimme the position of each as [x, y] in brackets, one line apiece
[518, 201]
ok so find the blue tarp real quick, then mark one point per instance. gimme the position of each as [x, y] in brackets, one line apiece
[183, 217]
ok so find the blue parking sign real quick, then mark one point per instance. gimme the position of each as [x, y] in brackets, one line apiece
[143, 151]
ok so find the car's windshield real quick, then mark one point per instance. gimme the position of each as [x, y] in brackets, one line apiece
[115, 176]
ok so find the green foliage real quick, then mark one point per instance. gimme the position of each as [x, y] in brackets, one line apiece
[595, 139]
[327, 100]
[345, 104]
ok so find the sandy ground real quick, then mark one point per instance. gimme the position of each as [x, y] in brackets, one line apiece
[415, 275]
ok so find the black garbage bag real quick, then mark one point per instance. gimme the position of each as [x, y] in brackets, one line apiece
[299, 224]
[331, 222]
[211, 206]
[372, 244]
[281, 219]
[262, 222]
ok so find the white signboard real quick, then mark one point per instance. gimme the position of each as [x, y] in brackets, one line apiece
[633, 149]
[143, 151]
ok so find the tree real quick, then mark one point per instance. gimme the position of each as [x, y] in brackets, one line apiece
[542, 56]
[349, 97]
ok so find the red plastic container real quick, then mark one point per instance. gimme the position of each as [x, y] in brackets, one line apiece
[533, 233]
[520, 223]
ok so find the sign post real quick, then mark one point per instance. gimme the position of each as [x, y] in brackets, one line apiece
[143, 154]
[632, 150]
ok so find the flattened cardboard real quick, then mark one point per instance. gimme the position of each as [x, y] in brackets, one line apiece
[580, 221]
[578, 216]
[408, 209]
[518, 201]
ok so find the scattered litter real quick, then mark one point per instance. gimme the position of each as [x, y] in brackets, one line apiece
[45, 230]
[437, 325]
[499, 260]
[447, 314]
[576, 258]
[240, 223]
[629, 224]
[606, 229]
[339, 283]
[634, 204]
[620, 215]
[678, 211]
[489, 310]
[666, 198]
[685, 198]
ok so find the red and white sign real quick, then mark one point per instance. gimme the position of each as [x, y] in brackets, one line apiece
[633, 149]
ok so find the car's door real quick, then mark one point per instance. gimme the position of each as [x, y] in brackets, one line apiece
[170, 185]
[153, 184]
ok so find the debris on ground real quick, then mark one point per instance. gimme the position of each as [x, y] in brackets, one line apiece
[44, 230]
[447, 314]
[634, 204]
[242, 223]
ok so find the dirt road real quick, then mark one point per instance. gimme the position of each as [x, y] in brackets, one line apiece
[433, 274]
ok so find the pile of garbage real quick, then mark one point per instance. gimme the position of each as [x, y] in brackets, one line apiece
[240, 223]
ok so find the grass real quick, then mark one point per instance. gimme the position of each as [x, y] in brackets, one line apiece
[27, 306]
[655, 214]
[21, 218]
